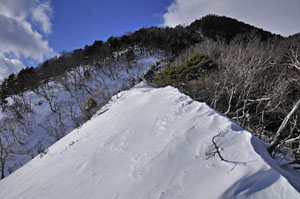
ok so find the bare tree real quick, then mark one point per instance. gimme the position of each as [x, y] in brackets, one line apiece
[7, 143]
[279, 136]
[55, 125]
[293, 57]
[48, 93]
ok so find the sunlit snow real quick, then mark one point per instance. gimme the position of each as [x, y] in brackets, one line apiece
[156, 144]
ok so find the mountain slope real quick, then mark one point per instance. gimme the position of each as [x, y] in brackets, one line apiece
[38, 106]
[151, 143]
[34, 120]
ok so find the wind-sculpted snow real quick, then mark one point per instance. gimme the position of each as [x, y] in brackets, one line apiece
[152, 144]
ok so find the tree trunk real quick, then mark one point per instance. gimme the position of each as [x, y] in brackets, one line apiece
[279, 134]
[2, 169]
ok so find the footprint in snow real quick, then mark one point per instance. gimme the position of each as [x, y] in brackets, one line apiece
[162, 195]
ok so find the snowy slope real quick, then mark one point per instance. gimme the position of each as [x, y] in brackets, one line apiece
[40, 127]
[152, 143]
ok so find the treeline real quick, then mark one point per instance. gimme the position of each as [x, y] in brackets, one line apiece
[172, 41]
[226, 29]
[26, 79]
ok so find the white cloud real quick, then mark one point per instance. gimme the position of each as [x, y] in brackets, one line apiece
[23, 23]
[41, 15]
[278, 16]
[9, 66]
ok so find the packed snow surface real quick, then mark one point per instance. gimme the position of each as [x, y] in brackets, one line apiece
[152, 144]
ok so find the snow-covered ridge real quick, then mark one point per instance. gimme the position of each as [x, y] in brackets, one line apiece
[156, 144]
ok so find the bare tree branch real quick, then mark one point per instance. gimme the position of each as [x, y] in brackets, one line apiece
[280, 131]
[217, 151]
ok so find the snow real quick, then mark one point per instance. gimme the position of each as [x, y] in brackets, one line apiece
[44, 127]
[153, 143]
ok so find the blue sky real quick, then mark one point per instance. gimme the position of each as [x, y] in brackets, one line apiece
[32, 31]
[81, 22]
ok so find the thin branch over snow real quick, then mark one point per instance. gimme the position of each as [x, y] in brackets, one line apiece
[217, 151]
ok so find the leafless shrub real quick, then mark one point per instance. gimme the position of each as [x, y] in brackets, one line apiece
[256, 84]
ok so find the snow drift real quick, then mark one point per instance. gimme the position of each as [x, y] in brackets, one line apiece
[156, 144]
